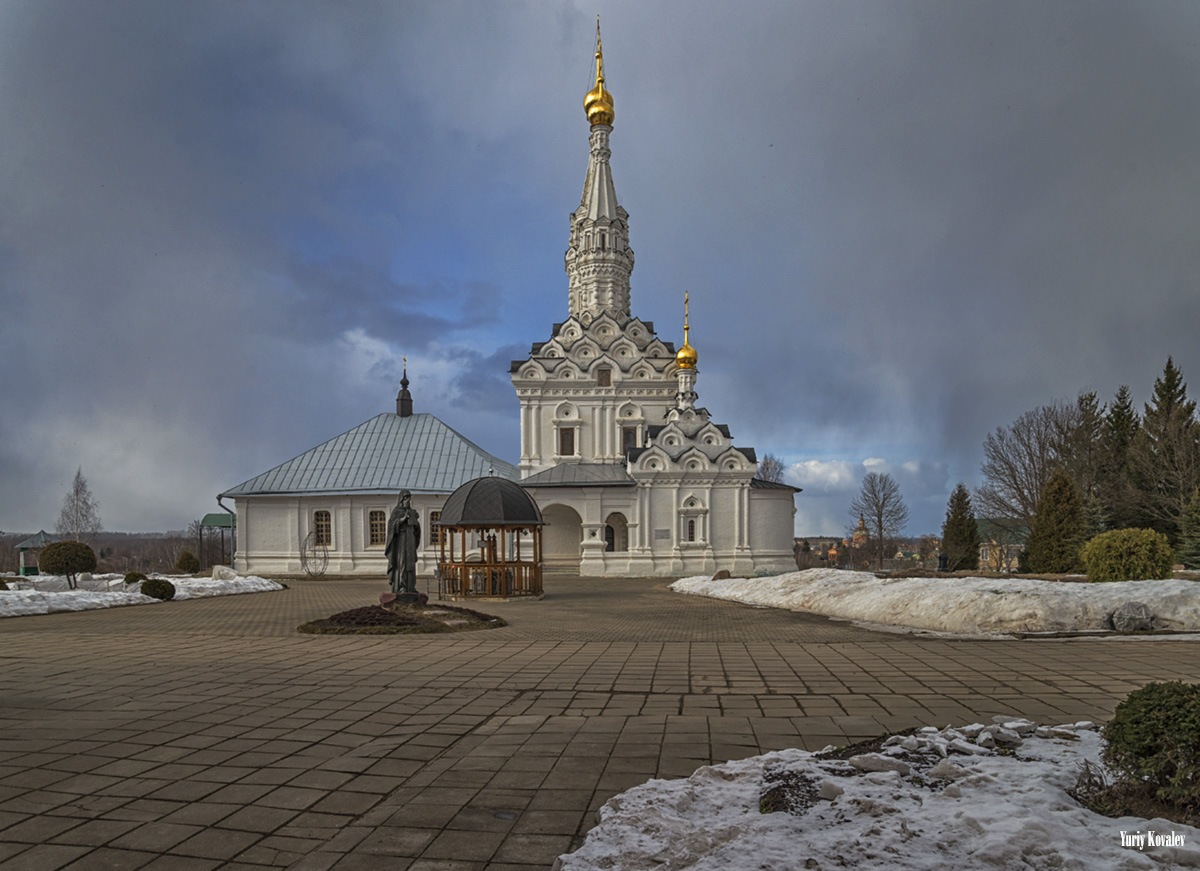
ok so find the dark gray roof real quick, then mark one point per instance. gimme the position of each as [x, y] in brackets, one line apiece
[490, 501]
[581, 475]
[385, 454]
[760, 484]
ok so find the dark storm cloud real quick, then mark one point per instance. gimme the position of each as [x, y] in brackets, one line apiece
[902, 224]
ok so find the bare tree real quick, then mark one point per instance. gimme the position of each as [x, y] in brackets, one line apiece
[770, 468]
[881, 508]
[79, 519]
[1019, 459]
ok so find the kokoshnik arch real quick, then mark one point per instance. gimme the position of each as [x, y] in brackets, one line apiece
[632, 477]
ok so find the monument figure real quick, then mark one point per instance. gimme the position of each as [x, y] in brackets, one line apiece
[404, 537]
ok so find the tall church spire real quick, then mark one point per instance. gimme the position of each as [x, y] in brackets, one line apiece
[599, 259]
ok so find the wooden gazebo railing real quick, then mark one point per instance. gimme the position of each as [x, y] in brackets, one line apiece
[490, 562]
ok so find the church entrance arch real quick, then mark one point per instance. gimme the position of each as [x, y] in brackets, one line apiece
[561, 539]
[616, 533]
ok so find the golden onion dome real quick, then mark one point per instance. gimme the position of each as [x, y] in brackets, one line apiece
[598, 104]
[686, 357]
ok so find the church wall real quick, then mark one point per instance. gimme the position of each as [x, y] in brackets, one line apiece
[772, 519]
[272, 528]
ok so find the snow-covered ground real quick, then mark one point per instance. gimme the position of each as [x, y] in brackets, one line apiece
[961, 606]
[47, 594]
[936, 801]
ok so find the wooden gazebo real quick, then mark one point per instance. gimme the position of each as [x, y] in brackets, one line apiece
[490, 531]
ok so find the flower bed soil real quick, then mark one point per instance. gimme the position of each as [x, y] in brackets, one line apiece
[402, 620]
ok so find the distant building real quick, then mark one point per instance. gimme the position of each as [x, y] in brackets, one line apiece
[1000, 549]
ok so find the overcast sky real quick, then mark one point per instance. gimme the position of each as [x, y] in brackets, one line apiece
[902, 224]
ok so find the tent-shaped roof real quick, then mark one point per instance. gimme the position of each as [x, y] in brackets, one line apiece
[35, 541]
[490, 501]
[385, 454]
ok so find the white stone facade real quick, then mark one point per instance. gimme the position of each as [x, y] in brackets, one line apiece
[271, 530]
[632, 478]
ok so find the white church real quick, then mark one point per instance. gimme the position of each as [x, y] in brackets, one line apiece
[632, 477]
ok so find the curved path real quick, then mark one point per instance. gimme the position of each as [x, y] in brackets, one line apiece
[209, 734]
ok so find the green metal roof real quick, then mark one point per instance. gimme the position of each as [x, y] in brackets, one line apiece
[219, 518]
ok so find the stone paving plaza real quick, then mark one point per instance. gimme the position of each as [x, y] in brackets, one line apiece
[209, 734]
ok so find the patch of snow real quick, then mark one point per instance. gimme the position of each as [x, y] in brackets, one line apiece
[48, 594]
[962, 606]
[972, 810]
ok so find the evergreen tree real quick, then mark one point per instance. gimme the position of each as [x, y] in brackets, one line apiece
[960, 532]
[1078, 445]
[1057, 529]
[1165, 457]
[1189, 538]
[1095, 520]
[1116, 493]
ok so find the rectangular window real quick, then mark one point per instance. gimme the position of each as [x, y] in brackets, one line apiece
[604, 377]
[566, 442]
[436, 533]
[628, 437]
[378, 527]
[322, 528]
[691, 530]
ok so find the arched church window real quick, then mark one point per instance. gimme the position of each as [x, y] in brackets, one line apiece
[691, 530]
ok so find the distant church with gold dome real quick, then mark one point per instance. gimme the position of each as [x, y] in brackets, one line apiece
[633, 478]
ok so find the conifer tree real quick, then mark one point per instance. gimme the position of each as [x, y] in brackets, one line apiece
[1189, 538]
[1056, 532]
[1165, 457]
[1114, 489]
[960, 532]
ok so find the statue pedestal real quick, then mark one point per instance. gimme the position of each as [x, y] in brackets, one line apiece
[403, 598]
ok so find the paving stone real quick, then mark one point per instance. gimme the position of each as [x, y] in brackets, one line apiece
[596, 688]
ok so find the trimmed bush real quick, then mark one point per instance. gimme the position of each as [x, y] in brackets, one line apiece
[67, 558]
[1153, 740]
[1127, 555]
[132, 578]
[158, 588]
[188, 564]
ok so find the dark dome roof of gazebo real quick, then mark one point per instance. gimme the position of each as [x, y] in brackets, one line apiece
[490, 501]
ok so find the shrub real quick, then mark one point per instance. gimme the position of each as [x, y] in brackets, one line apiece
[1127, 555]
[158, 588]
[67, 558]
[1153, 740]
[132, 578]
[188, 564]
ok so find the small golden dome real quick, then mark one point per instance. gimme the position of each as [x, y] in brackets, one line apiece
[598, 104]
[686, 357]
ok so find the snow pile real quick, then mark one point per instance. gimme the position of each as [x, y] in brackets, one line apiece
[968, 606]
[48, 594]
[934, 801]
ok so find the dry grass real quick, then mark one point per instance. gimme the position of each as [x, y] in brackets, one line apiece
[1123, 798]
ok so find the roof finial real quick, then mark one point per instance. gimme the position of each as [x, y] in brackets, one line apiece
[598, 104]
[404, 406]
[686, 357]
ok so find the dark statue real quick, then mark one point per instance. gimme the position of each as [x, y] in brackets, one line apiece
[403, 539]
